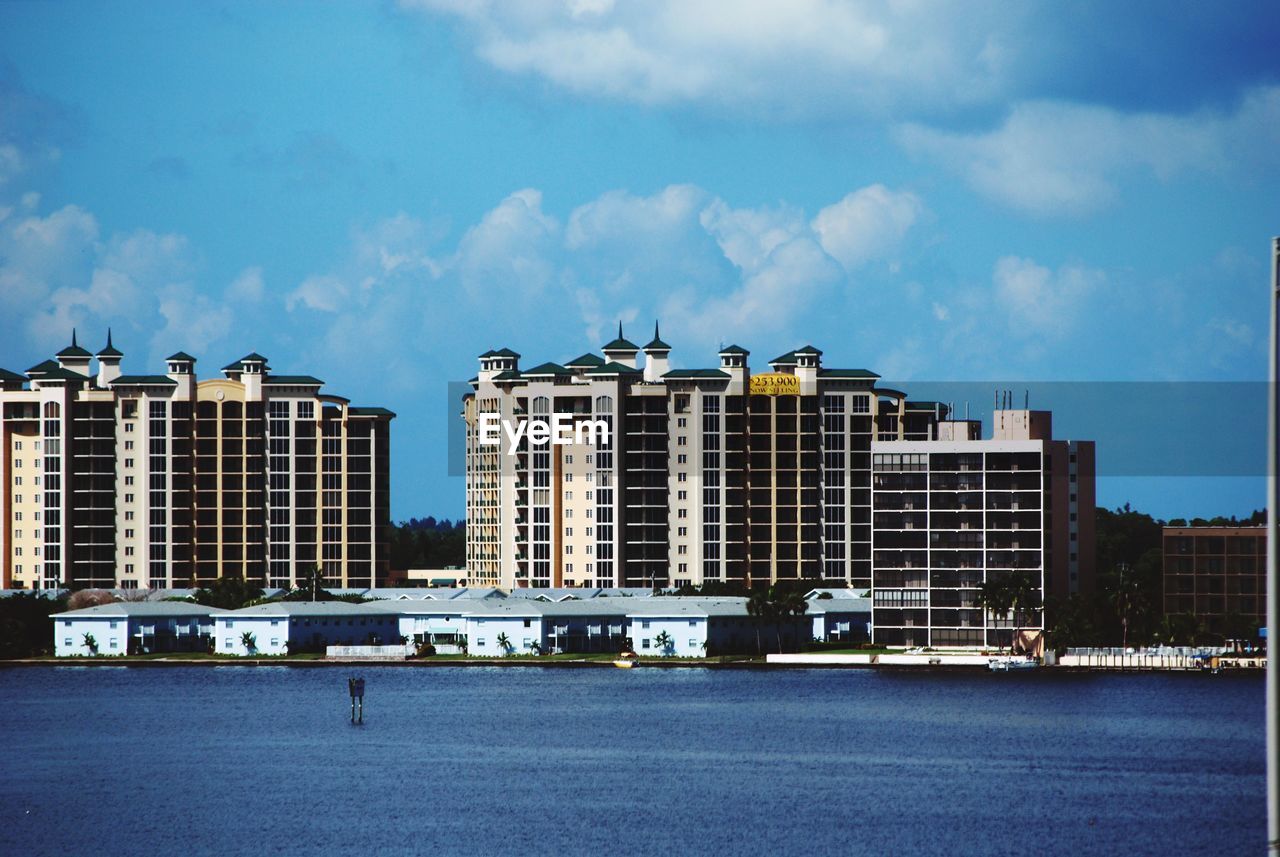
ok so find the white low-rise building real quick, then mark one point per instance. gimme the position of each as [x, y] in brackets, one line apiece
[134, 627]
[839, 615]
[699, 627]
[290, 627]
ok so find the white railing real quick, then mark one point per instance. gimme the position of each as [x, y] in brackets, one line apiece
[367, 653]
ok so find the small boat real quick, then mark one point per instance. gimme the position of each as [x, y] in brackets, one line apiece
[625, 661]
[1011, 663]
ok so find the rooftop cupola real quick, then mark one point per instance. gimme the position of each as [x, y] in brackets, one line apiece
[180, 363]
[621, 350]
[656, 355]
[108, 362]
[74, 358]
[733, 362]
[808, 362]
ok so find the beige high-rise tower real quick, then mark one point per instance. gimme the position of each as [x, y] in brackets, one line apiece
[162, 481]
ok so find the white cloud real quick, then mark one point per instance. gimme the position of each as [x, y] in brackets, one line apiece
[747, 236]
[128, 275]
[867, 224]
[389, 251]
[1041, 302]
[617, 216]
[1050, 158]
[248, 286]
[509, 252]
[41, 254]
[803, 57]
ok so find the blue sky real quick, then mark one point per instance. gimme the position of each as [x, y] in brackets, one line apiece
[375, 193]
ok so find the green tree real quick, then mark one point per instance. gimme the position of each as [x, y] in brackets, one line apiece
[504, 643]
[228, 593]
[25, 629]
[90, 643]
[995, 595]
[663, 643]
[249, 641]
[759, 608]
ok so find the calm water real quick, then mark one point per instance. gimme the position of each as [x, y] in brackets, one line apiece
[646, 761]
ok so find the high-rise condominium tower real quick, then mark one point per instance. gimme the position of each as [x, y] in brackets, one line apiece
[167, 481]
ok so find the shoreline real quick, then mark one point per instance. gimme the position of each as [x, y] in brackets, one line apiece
[746, 664]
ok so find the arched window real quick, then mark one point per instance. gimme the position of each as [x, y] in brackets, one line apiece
[52, 410]
[604, 404]
[541, 405]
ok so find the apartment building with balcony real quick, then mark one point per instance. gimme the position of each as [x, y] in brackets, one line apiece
[170, 480]
[953, 513]
[722, 475]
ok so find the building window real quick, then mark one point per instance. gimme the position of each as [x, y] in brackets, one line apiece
[644, 644]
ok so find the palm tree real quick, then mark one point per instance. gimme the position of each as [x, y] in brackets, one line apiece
[535, 647]
[663, 642]
[91, 643]
[1126, 596]
[1023, 596]
[758, 608]
[790, 605]
[995, 596]
[249, 641]
[504, 643]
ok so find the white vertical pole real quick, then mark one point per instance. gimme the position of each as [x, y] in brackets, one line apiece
[1273, 565]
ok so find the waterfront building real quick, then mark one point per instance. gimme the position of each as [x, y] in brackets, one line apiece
[1218, 575]
[169, 480]
[709, 474]
[722, 475]
[134, 628]
[477, 622]
[839, 615]
[289, 627]
[950, 514]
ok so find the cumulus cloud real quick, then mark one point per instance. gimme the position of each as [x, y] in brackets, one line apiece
[1040, 301]
[509, 252]
[382, 256]
[39, 255]
[867, 224]
[805, 57]
[707, 268]
[1052, 158]
[130, 272]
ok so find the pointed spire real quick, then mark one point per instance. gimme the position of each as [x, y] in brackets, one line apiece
[110, 350]
[621, 343]
[657, 344]
[655, 330]
[73, 333]
[73, 350]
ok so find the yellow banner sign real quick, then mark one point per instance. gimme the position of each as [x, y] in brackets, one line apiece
[775, 384]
